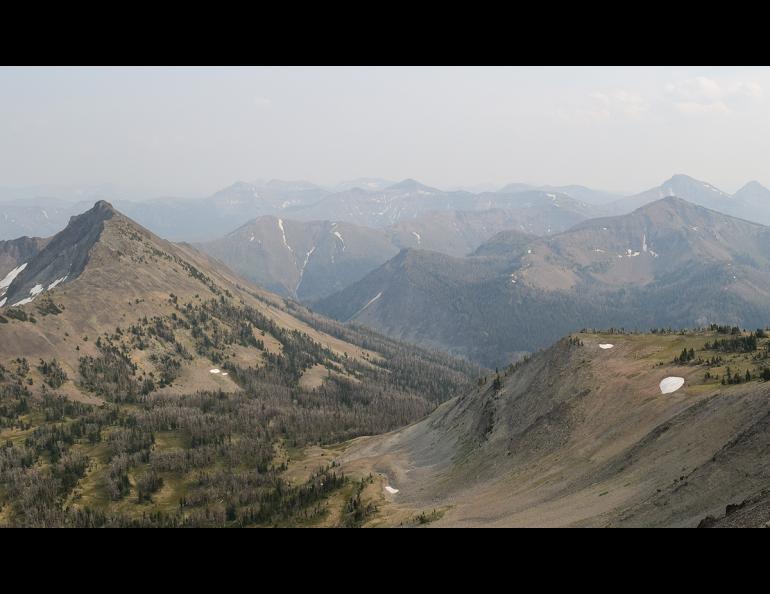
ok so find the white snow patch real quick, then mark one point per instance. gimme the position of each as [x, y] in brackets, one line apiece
[368, 303]
[606, 346]
[24, 301]
[251, 238]
[599, 250]
[417, 235]
[629, 254]
[671, 384]
[529, 251]
[391, 490]
[644, 242]
[339, 236]
[6, 282]
[283, 235]
[57, 281]
[36, 290]
[2, 301]
[214, 370]
[302, 269]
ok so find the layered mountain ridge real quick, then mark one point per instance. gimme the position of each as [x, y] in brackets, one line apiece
[667, 263]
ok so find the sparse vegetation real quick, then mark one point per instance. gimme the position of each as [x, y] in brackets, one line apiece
[54, 375]
[85, 465]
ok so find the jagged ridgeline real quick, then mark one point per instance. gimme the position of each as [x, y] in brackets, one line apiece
[144, 384]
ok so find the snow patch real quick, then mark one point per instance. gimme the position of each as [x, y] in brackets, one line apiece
[2, 301]
[283, 235]
[629, 254]
[214, 371]
[417, 235]
[671, 384]
[391, 490]
[302, 269]
[339, 236]
[606, 346]
[36, 290]
[6, 282]
[57, 281]
[368, 303]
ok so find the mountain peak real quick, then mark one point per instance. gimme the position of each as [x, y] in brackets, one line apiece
[681, 183]
[408, 185]
[753, 186]
[681, 177]
[103, 206]
[671, 203]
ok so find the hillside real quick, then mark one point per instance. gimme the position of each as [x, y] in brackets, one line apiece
[134, 368]
[667, 263]
[580, 435]
[303, 260]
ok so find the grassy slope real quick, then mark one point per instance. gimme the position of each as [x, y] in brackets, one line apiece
[583, 436]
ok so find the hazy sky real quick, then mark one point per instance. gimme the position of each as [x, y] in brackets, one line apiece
[191, 131]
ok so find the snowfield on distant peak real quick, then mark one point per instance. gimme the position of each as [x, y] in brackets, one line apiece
[606, 345]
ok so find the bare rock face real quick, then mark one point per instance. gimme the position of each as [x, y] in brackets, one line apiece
[63, 258]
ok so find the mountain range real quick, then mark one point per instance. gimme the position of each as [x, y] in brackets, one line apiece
[144, 383]
[310, 260]
[667, 263]
[367, 202]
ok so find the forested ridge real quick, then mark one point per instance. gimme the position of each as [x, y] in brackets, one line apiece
[208, 458]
